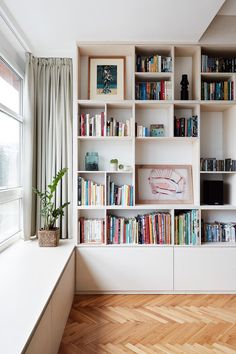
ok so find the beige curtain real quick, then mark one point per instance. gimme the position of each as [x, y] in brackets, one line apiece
[47, 136]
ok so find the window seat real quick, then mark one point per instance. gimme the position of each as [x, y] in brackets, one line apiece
[29, 275]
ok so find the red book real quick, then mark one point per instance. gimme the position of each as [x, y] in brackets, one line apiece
[162, 90]
[147, 231]
[82, 125]
[160, 228]
[102, 123]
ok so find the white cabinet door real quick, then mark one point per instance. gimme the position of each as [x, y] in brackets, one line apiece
[61, 303]
[41, 342]
[124, 269]
[205, 269]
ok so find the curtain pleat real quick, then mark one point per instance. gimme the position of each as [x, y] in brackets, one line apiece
[48, 112]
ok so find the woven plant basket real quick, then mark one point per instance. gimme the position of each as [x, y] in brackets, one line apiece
[49, 238]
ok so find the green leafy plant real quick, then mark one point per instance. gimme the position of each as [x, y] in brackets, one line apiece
[114, 161]
[48, 210]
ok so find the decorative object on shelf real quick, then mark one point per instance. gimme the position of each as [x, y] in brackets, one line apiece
[106, 78]
[48, 236]
[161, 184]
[114, 165]
[184, 87]
[121, 167]
[157, 130]
[213, 192]
[127, 168]
[91, 161]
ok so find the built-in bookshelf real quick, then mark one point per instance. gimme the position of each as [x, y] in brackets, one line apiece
[160, 129]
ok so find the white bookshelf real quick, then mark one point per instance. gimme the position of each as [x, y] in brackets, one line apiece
[216, 138]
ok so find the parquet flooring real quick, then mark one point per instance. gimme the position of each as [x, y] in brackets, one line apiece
[118, 324]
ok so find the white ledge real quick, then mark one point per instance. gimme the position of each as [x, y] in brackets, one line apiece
[28, 277]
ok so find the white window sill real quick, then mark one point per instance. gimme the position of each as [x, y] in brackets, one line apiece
[28, 276]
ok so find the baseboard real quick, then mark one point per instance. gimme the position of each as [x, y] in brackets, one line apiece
[103, 292]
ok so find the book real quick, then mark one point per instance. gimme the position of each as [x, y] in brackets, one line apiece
[186, 127]
[218, 64]
[159, 90]
[119, 194]
[153, 63]
[218, 232]
[116, 128]
[217, 90]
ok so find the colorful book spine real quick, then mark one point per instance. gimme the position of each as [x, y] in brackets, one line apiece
[218, 90]
[219, 232]
[90, 193]
[187, 227]
[91, 230]
[119, 194]
[153, 63]
[92, 125]
[218, 64]
[121, 129]
[159, 90]
[153, 228]
[186, 127]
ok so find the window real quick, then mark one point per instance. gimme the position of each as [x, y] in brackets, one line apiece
[10, 152]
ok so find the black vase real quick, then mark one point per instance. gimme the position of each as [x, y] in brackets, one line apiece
[184, 87]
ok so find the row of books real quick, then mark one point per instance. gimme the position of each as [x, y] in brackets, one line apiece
[186, 126]
[219, 232]
[187, 228]
[153, 228]
[155, 130]
[92, 125]
[212, 164]
[218, 90]
[115, 128]
[158, 90]
[218, 64]
[89, 192]
[153, 63]
[119, 194]
[91, 230]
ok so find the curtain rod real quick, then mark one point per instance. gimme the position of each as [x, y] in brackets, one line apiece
[14, 27]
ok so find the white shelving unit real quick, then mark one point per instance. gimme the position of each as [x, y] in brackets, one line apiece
[158, 268]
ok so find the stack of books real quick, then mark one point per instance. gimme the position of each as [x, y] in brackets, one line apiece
[119, 194]
[187, 227]
[153, 228]
[212, 164]
[187, 127]
[154, 63]
[218, 232]
[159, 90]
[90, 193]
[92, 125]
[218, 64]
[218, 90]
[115, 128]
[91, 230]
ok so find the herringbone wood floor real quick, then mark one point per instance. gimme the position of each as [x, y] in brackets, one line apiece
[141, 324]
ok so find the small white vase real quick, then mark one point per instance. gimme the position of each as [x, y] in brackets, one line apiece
[113, 166]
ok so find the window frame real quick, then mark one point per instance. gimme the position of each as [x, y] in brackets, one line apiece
[16, 193]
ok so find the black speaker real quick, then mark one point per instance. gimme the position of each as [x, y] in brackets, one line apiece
[213, 192]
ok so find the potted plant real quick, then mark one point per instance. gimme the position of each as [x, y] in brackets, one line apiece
[114, 164]
[48, 236]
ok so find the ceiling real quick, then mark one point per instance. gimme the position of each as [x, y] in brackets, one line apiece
[50, 25]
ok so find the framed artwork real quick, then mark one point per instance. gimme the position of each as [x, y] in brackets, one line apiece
[106, 78]
[162, 184]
